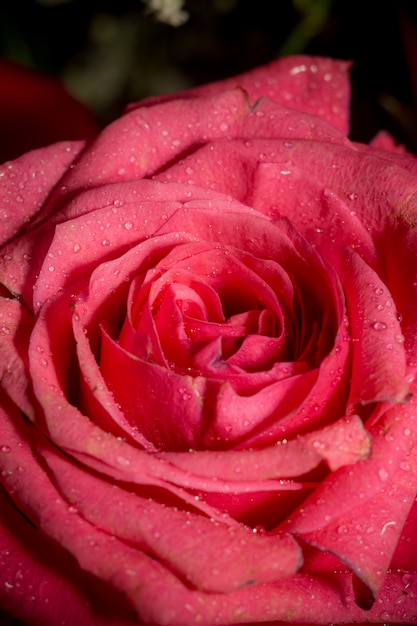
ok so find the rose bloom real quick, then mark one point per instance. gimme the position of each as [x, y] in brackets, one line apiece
[209, 340]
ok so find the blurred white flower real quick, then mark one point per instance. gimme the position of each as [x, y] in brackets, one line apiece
[168, 11]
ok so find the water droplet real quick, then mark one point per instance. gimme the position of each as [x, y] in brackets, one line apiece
[76, 248]
[51, 268]
[105, 242]
[379, 291]
[5, 449]
[405, 466]
[122, 460]
[128, 225]
[407, 579]
[258, 529]
[379, 326]
[383, 474]
[385, 616]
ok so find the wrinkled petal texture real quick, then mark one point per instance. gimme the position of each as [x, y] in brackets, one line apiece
[207, 363]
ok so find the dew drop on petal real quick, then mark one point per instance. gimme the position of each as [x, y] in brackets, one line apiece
[383, 474]
[122, 460]
[379, 326]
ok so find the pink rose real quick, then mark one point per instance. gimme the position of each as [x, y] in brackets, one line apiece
[208, 349]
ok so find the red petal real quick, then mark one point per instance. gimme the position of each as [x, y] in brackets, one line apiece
[342, 443]
[35, 110]
[379, 363]
[15, 327]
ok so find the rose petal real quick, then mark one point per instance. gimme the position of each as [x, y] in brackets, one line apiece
[38, 578]
[226, 114]
[21, 263]
[344, 442]
[378, 350]
[367, 536]
[26, 183]
[394, 432]
[144, 581]
[178, 539]
[15, 327]
[400, 260]
[314, 85]
[231, 166]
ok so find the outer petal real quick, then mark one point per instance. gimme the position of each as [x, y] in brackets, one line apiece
[313, 85]
[393, 434]
[160, 598]
[26, 183]
[15, 328]
[367, 537]
[159, 530]
[149, 139]
[39, 581]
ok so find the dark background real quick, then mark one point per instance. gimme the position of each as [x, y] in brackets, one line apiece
[109, 53]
